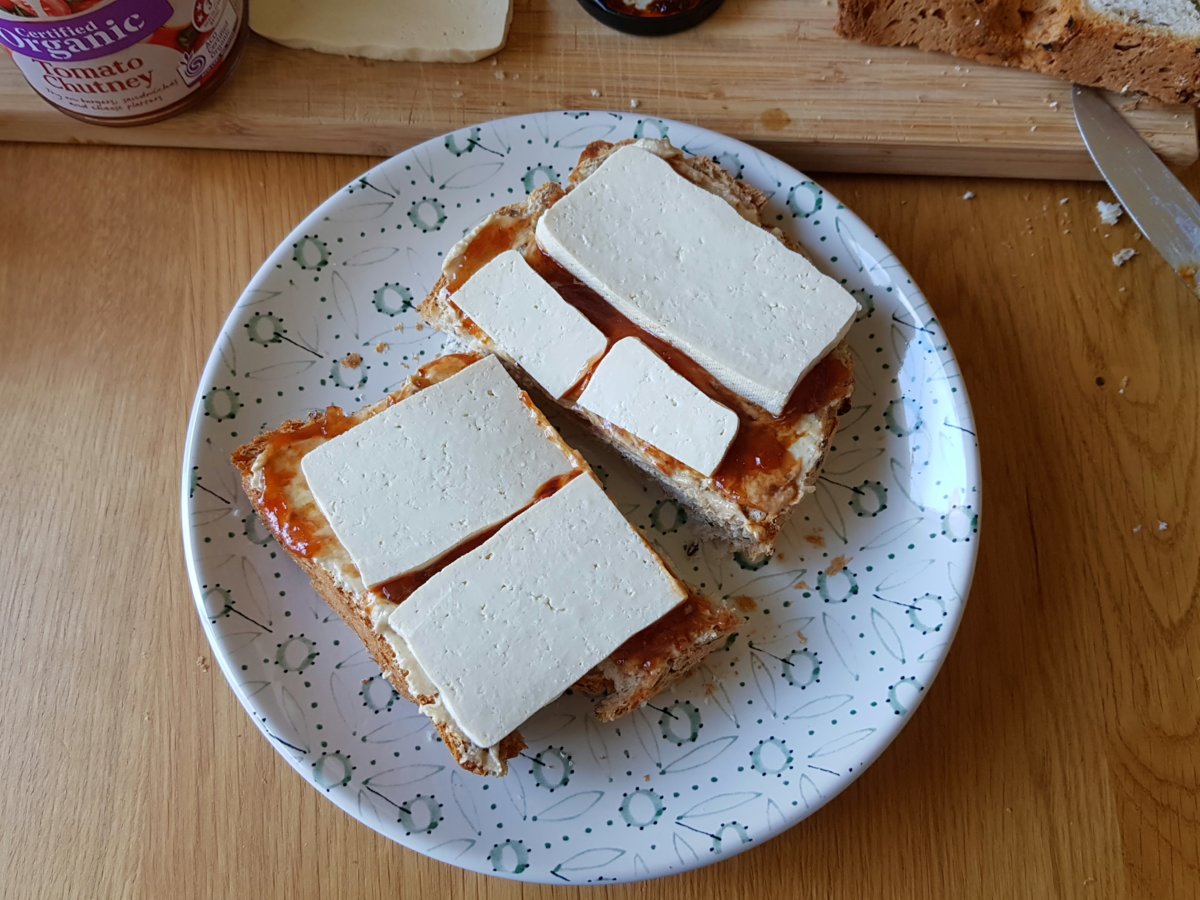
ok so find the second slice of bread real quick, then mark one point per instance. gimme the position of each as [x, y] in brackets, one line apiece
[748, 513]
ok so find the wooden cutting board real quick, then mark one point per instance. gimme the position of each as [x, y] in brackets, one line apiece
[772, 72]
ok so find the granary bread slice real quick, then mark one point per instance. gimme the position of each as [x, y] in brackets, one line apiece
[273, 478]
[1150, 46]
[773, 460]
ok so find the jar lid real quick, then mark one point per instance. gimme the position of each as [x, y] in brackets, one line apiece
[650, 17]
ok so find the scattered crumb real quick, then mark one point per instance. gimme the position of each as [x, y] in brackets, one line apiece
[801, 585]
[745, 604]
[868, 61]
[420, 326]
[381, 347]
[815, 538]
[498, 74]
[1033, 128]
[645, 778]
[145, 717]
[1124, 384]
[493, 60]
[836, 565]
[1063, 201]
[516, 76]
[367, 680]
[595, 92]
[1125, 89]
[1137, 529]
[969, 195]
[802, 638]
[710, 688]
[400, 328]
[456, 95]
[1109, 212]
[1122, 289]
[202, 663]
[1122, 256]
[634, 102]
[1162, 526]
[1054, 104]
[352, 360]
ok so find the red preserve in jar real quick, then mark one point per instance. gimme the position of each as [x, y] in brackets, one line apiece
[123, 62]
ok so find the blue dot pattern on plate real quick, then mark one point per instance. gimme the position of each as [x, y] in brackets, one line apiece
[846, 627]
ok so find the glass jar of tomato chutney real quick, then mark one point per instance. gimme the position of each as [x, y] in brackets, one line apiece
[123, 62]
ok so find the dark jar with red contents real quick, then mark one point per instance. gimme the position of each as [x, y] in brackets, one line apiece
[123, 62]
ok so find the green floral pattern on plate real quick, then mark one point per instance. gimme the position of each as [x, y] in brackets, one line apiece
[846, 627]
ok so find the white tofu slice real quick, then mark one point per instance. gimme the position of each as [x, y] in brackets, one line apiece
[445, 31]
[684, 265]
[528, 320]
[634, 389]
[509, 626]
[421, 477]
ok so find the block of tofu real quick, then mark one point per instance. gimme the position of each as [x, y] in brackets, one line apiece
[546, 336]
[445, 31]
[509, 626]
[634, 389]
[418, 479]
[684, 265]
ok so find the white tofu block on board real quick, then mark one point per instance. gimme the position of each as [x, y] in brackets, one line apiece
[444, 31]
[681, 263]
[509, 626]
[528, 320]
[636, 390]
[416, 480]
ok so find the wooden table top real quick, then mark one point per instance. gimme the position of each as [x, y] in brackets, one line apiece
[1057, 756]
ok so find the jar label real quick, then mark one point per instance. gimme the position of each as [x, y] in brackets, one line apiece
[121, 58]
[99, 32]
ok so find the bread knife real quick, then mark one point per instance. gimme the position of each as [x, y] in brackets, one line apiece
[1155, 199]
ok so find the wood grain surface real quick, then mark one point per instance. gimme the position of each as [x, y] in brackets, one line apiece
[1056, 756]
[768, 71]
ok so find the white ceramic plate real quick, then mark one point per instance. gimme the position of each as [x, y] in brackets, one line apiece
[846, 626]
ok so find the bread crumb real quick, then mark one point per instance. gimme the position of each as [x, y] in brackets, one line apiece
[1122, 256]
[202, 663]
[969, 195]
[1109, 213]
[868, 61]
[1063, 201]
[1124, 384]
[595, 92]
[802, 638]
[420, 326]
[1137, 529]
[492, 60]
[1033, 128]
[1162, 526]
[456, 95]
[816, 538]
[634, 102]
[352, 360]
[381, 347]
[745, 604]
[645, 778]
[801, 585]
[400, 328]
[516, 76]
[1054, 104]
[836, 566]
[498, 74]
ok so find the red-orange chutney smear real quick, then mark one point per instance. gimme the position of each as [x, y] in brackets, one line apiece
[760, 447]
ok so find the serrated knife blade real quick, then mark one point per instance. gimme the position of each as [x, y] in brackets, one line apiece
[1155, 199]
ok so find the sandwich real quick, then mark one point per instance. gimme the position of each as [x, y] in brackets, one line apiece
[476, 556]
[651, 300]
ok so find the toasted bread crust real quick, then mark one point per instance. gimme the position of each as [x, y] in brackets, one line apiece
[1065, 39]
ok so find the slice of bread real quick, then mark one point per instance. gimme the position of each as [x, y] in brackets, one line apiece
[1150, 46]
[772, 463]
[270, 470]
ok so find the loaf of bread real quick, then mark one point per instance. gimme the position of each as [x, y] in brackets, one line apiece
[1147, 46]
[270, 471]
[746, 508]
